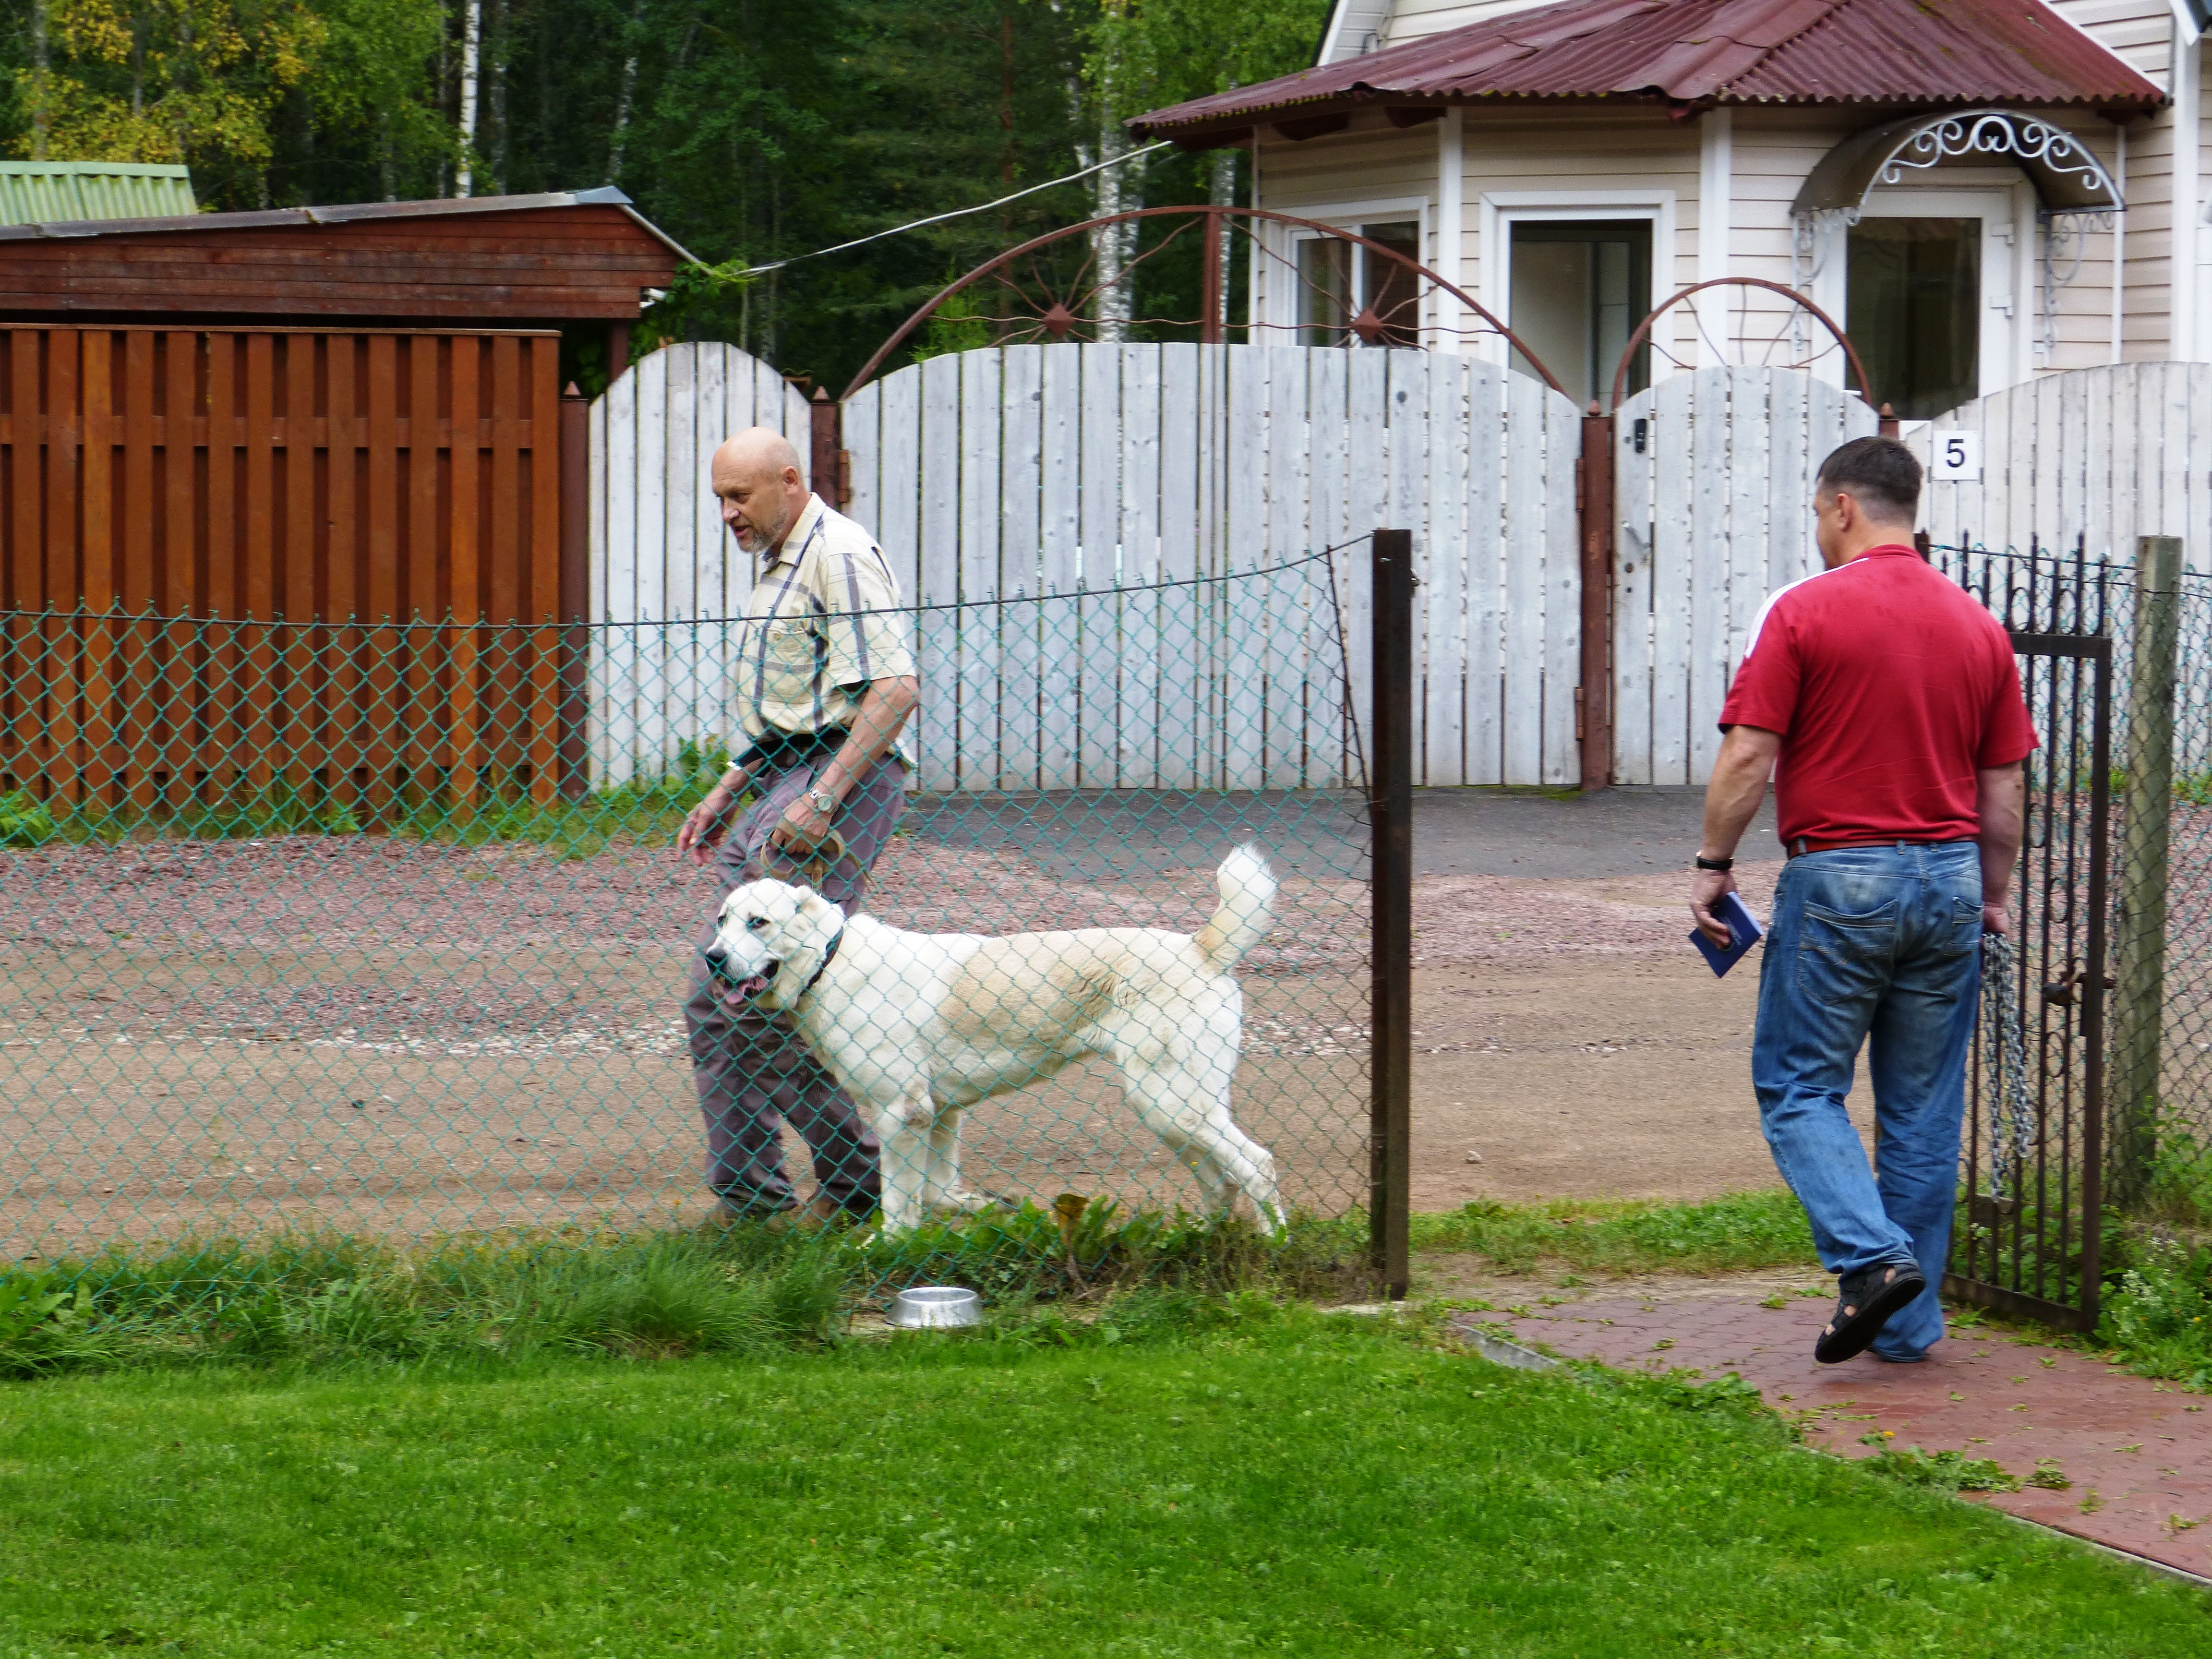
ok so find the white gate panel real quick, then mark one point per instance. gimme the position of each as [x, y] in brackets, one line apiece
[1713, 504]
[661, 557]
[1095, 472]
[2097, 456]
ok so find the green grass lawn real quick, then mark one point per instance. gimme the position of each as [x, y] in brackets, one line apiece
[1242, 1479]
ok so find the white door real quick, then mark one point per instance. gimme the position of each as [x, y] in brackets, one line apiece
[1937, 289]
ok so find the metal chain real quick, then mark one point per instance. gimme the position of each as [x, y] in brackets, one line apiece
[2004, 1053]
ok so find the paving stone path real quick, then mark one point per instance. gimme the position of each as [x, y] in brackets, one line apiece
[2138, 1453]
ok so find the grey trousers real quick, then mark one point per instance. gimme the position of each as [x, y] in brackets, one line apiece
[753, 1070]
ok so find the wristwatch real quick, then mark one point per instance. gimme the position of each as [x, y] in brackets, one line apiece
[824, 802]
[1705, 863]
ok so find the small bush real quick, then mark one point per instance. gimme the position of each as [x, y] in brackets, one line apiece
[2159, 1320]
[24, 821]
[1946, 1471]
[45, 1329]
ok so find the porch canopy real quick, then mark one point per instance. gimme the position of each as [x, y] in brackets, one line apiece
[2067, 178]
[1691, 55]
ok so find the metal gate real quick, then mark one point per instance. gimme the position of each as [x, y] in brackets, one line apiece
[2025, 1240]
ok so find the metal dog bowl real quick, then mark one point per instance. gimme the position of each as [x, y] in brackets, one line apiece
[936, 1307]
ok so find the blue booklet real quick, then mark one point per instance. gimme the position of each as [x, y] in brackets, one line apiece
[1743, 934]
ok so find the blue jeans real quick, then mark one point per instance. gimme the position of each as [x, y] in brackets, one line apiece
[1881, 943]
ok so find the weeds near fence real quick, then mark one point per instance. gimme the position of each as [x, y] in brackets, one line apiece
[2159, 1320]
[319, 1299]
[648, 808]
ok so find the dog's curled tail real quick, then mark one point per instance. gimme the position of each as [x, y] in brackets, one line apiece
[1246, 912]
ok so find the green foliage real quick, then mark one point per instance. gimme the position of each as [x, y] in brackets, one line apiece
[25, 821]
[749, 134]
[45, 1329]
[1946, 1471]
[1744, 1230]
[2159, 1320]
[956, 326]
[1147, 53]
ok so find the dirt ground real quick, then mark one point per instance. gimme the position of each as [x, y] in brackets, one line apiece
[1605, 1061]
[387, 1035]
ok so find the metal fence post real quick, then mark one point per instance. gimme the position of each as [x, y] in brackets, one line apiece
[1594, 700]
[826, 469]
[2139, 954]
[575, 589]
[1391, 808]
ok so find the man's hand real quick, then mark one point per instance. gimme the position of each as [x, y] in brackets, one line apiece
[804, 828]
[704, 824]
[2001, 802]
[1706, 887]
[1738, 784]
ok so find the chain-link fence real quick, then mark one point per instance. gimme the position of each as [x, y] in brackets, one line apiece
[379, 930]
[2159, 1076]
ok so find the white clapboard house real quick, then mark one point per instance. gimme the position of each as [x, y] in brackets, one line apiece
[1981, 192]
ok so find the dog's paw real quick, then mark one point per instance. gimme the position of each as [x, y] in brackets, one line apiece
[961, 1202]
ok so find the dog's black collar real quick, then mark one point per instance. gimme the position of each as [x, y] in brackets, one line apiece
[827, 957]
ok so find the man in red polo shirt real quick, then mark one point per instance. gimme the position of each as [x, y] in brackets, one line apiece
[1885, 704]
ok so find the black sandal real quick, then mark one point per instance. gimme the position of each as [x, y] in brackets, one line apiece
[1868, 1298]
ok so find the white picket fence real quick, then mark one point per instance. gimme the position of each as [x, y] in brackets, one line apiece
[1714, 474]
[2102, 455]
[1034, 474]
[663, 569]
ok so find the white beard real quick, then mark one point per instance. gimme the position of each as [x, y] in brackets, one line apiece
[752, 540]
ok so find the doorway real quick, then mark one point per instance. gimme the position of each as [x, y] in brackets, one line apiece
[1579, 288]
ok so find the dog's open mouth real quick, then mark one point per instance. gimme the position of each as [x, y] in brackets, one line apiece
[738, 992]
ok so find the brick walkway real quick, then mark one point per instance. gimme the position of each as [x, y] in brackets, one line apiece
[2139, 1454]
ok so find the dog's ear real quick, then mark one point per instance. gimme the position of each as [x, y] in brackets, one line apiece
[822, 917]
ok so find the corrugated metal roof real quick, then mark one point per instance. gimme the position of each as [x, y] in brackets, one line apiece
[61, 191]
[338, 213]
[1721, 52]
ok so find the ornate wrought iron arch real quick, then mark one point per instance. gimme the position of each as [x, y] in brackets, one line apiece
[2068, 179]
[1065, 317]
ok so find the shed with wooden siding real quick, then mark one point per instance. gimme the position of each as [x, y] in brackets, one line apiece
[280, 502]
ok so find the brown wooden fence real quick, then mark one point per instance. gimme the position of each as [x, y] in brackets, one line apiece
[247, 559]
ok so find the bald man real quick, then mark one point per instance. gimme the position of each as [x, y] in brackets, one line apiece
[825, 682]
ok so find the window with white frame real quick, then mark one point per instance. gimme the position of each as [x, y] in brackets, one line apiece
[1333, 283]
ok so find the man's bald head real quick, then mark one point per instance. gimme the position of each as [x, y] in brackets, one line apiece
[756, 474]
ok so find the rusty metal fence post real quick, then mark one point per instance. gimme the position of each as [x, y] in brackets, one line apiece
[1391, 813]
[1594, 700]
[2139, 916]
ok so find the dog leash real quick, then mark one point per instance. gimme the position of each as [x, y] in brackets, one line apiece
[817, 861]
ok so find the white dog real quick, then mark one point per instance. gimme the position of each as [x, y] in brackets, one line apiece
[915, 1026]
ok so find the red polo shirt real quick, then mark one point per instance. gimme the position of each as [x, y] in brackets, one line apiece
[1891, 687]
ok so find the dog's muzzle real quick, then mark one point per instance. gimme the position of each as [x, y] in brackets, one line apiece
[740, 988]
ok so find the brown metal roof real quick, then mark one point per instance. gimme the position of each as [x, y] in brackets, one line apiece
[1719, 52]
[344, 213]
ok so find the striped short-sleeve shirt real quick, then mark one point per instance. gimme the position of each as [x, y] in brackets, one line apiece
[824, 621]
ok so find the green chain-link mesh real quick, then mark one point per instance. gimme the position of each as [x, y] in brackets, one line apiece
[379, 930]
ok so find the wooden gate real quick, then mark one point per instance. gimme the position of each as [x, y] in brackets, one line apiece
[1057, 471]
[1713, 511]
[663, 569]
[238, 559]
